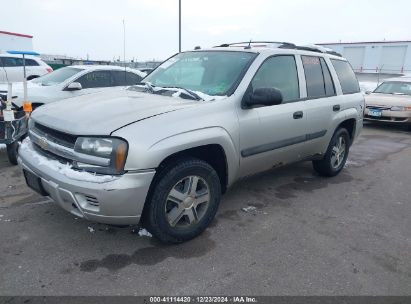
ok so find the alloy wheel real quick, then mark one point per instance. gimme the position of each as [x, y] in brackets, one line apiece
[338, 152]
[187, 201]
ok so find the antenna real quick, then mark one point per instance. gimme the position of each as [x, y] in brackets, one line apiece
[179, 26]
[124, 50]
[249, 46]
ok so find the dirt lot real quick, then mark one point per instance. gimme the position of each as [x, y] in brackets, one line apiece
[350, 235]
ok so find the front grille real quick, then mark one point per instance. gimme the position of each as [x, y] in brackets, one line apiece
[387, 119]
[58, 137]
[59, 145]
[382, 108]
[50, 155]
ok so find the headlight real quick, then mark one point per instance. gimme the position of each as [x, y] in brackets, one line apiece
[102, 155]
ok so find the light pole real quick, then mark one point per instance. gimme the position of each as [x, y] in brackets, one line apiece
[179, 26]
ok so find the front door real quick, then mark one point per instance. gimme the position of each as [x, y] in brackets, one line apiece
[91, 82]
[271, 136]
[13, 68]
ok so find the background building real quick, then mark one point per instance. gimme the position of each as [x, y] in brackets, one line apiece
[386, 57]
[16, 42]
[377, 60]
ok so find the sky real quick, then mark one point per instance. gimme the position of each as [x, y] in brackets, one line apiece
[94, 28]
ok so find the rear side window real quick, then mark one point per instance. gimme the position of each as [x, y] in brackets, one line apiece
[279, 72]
[346, 76]
[317, 77]
[122, 78]
[329, 84]
[31, 62]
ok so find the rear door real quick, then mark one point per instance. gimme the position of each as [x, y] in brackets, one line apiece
[322, 103]
[33, 68]
[273, 135]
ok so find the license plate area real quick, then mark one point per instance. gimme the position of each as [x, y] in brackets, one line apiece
[34, 182]
[374, 113]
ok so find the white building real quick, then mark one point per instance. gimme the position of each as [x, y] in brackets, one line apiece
[15, 42]
[389, 57]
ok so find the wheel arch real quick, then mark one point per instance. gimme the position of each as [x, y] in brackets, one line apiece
[31, 77]
[350, 125]
[213, 145]
[213, 154]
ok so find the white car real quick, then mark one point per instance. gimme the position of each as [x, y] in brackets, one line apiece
[74, 81]
[11, 68]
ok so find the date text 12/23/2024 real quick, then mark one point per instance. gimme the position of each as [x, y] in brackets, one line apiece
[204, 299]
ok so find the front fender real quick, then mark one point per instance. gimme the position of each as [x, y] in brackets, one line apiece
[192, 139]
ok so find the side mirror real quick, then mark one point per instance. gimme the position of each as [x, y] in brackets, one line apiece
[263, 97]
[368, 92]
[74, 86]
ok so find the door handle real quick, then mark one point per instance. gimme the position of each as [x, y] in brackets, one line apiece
[336, 108]
[298, 115]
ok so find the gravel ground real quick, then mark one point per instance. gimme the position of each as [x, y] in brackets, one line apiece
[304, 235]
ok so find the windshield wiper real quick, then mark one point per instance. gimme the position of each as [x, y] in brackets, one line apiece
[189, 92]
[150, 89]
[147, 86]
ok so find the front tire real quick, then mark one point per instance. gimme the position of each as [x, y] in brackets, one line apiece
[183, 202]
[12, 152]
[336, 156]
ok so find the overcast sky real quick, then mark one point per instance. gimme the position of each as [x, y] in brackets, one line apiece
[95, 27]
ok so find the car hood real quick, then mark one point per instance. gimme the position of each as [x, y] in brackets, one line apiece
[103, 113]
[388, 100]
[35, 92]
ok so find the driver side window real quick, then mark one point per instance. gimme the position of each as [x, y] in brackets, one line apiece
[279, 72]
[96, 79]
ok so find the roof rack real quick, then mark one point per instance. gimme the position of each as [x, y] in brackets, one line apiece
[313, 48]
[249, 44]
[281, 45]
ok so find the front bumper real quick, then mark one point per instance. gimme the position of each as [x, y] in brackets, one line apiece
[398, 117]
[118, 201]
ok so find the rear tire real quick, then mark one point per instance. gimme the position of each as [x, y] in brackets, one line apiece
[183, 201]
[336, 156]
[12, 152]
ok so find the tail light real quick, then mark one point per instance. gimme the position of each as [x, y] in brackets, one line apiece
[49, 70]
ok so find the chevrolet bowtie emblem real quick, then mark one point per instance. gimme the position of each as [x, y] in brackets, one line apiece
[43, 143]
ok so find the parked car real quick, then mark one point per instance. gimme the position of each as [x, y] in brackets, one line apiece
[74, 81]
[11, 68]
[66, 83]
[390, 102]
[165, 151]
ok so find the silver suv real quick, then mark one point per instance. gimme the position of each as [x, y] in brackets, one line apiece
[165, 150]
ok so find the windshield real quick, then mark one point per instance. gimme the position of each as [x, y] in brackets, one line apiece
[209, 72]
[397, 87]
[56, 77]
